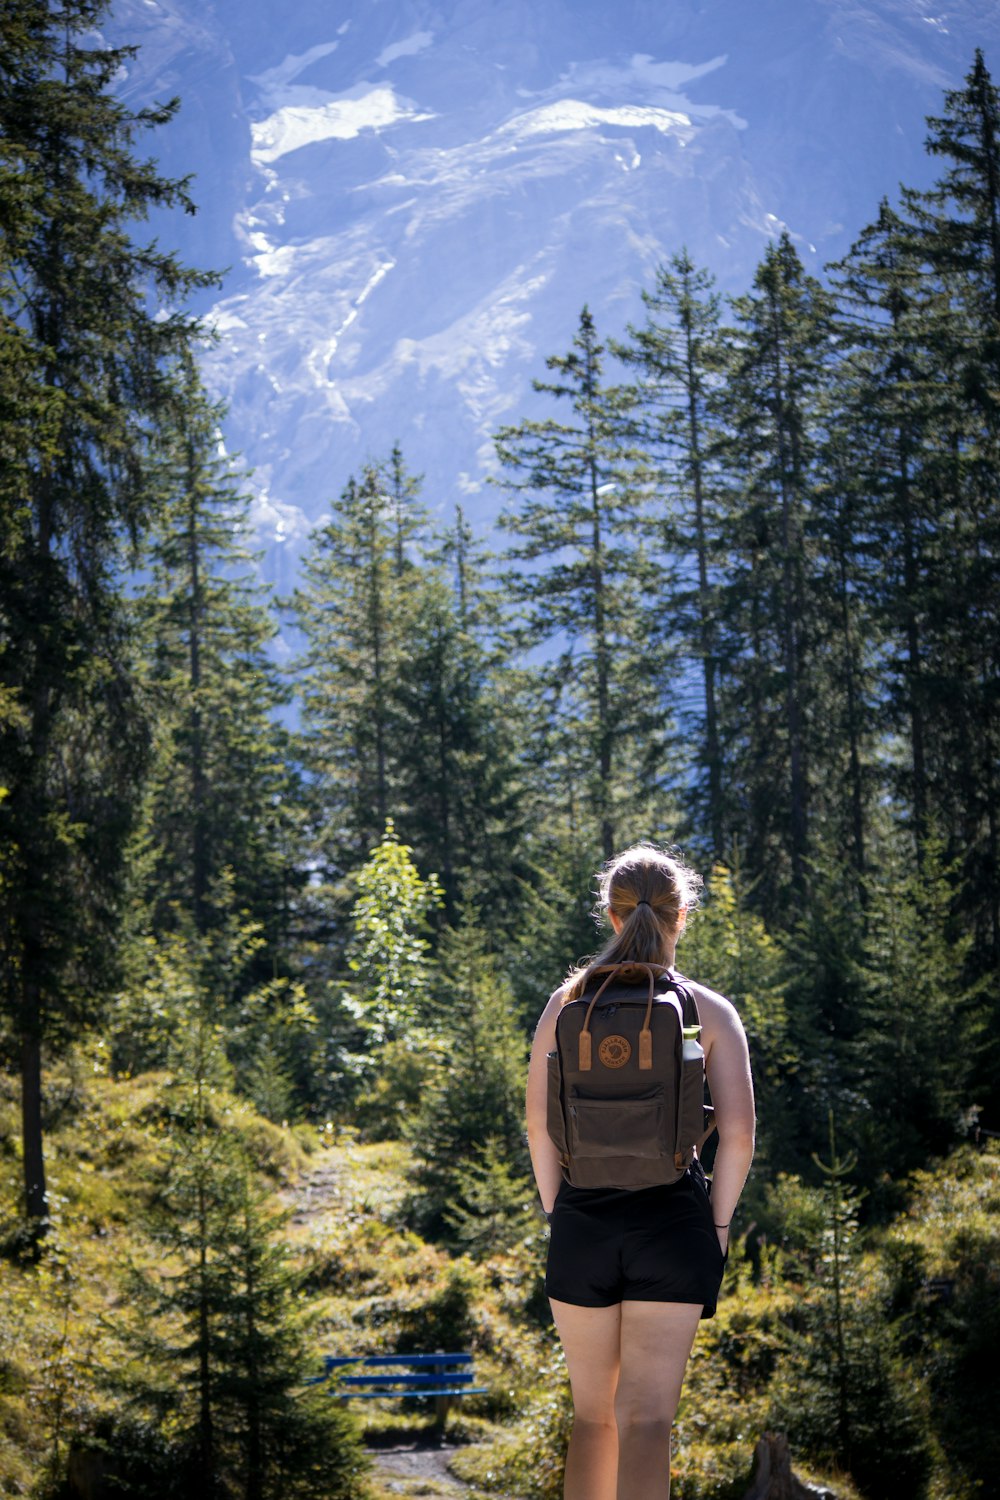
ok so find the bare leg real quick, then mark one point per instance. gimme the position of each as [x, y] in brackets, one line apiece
[656, 1339]
[590, 1340]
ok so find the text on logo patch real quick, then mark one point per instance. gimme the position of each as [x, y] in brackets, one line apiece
[615, 1051]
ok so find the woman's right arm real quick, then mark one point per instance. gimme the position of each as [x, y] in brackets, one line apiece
[544, 1157]
[727, 1066]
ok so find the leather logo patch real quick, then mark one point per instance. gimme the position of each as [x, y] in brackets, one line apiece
[615, 1051]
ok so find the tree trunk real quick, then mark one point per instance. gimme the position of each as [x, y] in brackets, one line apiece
[788, 472]
[914, 662]
[199, 832]
[35, 1196]
[772, 1474]
[713, 759]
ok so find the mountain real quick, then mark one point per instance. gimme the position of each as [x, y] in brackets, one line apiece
[416, 197]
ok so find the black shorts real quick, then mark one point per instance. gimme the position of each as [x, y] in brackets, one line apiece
[658, 1244]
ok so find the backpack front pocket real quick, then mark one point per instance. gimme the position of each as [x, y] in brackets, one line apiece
[617, 1127]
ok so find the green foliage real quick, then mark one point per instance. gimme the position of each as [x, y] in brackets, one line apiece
[781, 351]
[843, 1395]
[388, 951]
[578, 526]
[495, 1206]
[355, 609]
[220, 795]
[221, 1351]
[679, 355]
[919, 1035]
[90, 320]
[467, 1130]
[266, 1029]
[942, 1257]
[379, 1031]
[727, 946]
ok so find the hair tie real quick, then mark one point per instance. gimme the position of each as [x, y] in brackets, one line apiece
[644, 902]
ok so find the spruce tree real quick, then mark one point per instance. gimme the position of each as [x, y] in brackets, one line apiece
[892, 465]
[221, 1347]
[378, 1016]
[774, 395]
[461, 798]
[679, 355]
[222, 791]
[355, 609]
[584, 582]
[99, 318]
[843, 1392]
[955, 231]
[920, 1031]
[474, 1103]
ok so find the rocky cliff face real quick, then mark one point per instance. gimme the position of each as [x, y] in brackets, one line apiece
[416, 198]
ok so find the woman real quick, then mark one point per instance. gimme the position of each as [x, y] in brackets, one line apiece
[630, 1273]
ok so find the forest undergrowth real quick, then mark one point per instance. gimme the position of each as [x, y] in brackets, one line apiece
[899, 1368]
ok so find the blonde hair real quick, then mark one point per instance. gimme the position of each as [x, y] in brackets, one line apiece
[649, 891]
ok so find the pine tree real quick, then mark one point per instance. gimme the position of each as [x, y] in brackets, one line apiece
[679, 355]
[774, 396]
[893, 460]
[727, 946]
[378, 1022]
[588, 588]
[955, 231]
[99, 318]
[920, 1041]
[843, 1394]
[222, 790]
[221, 1345]
[355, 610]
[477, 1095]
[461, 798]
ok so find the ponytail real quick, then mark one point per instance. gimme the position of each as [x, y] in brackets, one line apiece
[649, 892]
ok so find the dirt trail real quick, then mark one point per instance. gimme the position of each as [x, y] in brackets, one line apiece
[412, 1466]
[404, 1463]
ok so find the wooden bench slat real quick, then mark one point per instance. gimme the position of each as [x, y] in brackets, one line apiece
[479, 1390]
[443, 1377]
[411, 1382]
[334, 1361]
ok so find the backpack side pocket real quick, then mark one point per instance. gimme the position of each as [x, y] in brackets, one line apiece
[554, 1118]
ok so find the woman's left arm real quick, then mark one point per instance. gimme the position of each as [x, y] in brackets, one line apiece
[544, 1156]
[727, 1067]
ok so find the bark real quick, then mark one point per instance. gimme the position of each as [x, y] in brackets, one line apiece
[713, 758]
[35, 1195]
[773, 1478]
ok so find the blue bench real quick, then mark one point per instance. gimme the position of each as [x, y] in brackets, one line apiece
[440, 1375]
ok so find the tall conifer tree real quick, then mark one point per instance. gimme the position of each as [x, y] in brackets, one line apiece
[355, 609]
[588, 587]
[956, 234]
[87, 297]
[462, 803]
[775, 395]
[220, 798]
[679, 354]
[890, 457]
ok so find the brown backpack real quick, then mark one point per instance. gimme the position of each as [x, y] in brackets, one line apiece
[626, 1086]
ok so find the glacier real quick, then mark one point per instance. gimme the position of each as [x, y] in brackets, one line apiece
[415, 198]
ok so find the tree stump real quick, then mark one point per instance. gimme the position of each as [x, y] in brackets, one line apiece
[87, 1474]
[772, 1477]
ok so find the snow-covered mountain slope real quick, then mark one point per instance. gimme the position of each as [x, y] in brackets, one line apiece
[416, 197]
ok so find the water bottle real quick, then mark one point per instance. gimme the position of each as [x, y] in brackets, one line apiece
[692, 1050]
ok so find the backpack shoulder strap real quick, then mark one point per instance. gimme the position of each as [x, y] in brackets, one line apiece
[685, 994]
